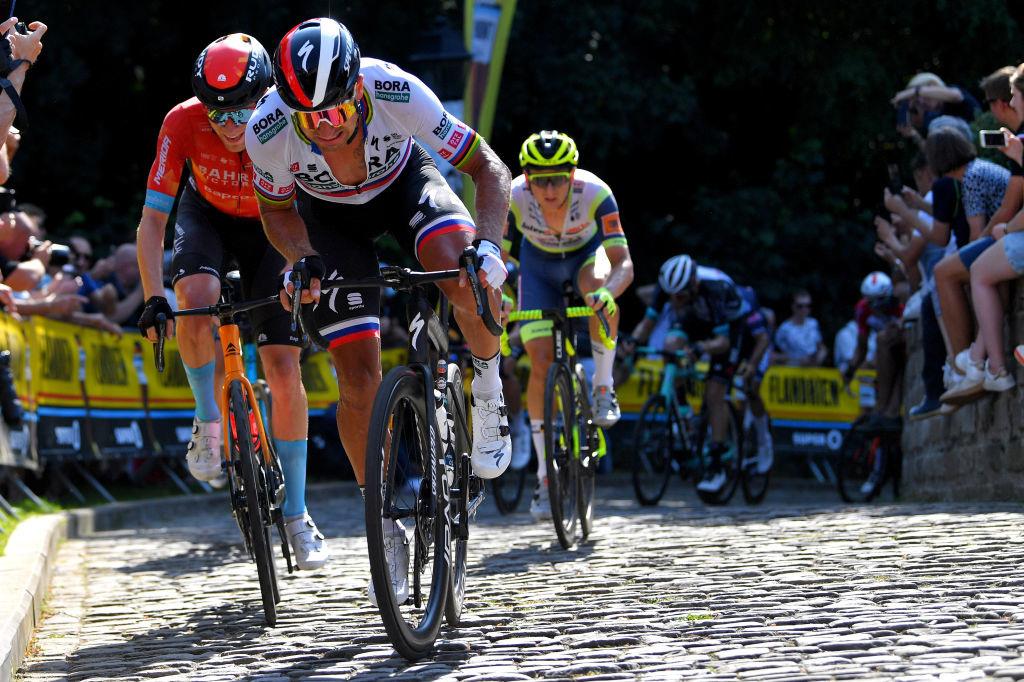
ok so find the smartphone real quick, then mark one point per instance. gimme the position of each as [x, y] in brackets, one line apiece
[992, 139]
[895, 181]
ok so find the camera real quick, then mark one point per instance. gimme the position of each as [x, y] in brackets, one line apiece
[992, 139]
[60, 255]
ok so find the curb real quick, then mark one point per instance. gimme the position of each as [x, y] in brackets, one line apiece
[27, 565]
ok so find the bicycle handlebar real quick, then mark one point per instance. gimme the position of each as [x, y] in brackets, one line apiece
[217, 309]
[404, 279]
[604, 331]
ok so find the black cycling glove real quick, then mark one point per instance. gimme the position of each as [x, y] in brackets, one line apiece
[154, 306]
[309, 268]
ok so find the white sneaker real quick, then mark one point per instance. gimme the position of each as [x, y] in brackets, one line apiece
[540, 505]
[765, 457]
[962, 360]
[492, 440]
[307, 542]
[522, 442]
[712, 482]
[606, 407]
[971, 386]
[396, 548]
[203, 455]
[951, 376]
[998, 382]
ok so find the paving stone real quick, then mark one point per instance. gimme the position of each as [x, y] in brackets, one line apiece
[799, 588]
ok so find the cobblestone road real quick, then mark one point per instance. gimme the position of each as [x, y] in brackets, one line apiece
[792, 590]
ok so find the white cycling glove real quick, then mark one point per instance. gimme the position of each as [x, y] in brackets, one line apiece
[490, 262]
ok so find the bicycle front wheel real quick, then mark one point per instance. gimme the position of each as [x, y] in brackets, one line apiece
[407, 529]
[560, 423]
[246, 450]
[458, 506]
[508, 490]
[653, 445]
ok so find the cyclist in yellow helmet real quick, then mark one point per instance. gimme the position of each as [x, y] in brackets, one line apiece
[565, 215]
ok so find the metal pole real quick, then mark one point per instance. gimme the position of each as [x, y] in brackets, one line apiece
[91, 480]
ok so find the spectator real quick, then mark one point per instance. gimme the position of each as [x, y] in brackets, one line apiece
[798, 339]
[37, 216]
[25, 49]
[128, 283]
[927, 97]
[24, 263]
[7, 152]
[998, 88]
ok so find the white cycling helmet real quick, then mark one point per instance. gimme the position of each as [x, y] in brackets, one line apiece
[876, 285]
[676, 274]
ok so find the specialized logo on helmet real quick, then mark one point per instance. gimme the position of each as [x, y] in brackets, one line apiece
[304, 52]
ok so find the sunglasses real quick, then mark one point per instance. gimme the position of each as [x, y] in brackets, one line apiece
[221, 118]
[802, 305]
[548, 179]
[335, 116]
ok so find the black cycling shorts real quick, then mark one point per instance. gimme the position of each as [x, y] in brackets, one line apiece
[208, 241]
[417, 207]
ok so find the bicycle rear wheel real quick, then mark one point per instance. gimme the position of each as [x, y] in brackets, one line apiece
[406, 486]
[559, 423]
[729, 460]
[587, 447]
[755, 484]
[859, 475]
[246, 449]
[458, 506]
[653, 445]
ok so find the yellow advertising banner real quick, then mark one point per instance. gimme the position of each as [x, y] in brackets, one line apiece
[815, 394]
[13, 337]
[168, 390]
[319, 380]
[111, 381]
[56, 364]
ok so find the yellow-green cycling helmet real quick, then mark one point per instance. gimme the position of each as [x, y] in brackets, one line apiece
[548, 148]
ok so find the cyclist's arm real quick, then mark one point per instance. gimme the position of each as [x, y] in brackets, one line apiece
[716, 345]
[760, 347]
[642, 332]
[858, 355]
[621, 274]
[285, 229]
[149, 240]
[493, 183]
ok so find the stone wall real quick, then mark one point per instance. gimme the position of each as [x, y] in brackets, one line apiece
[976, 453]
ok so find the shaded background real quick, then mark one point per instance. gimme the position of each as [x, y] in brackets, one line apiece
[752, 135]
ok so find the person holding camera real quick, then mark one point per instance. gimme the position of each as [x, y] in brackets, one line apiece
[218, 225]
[21, 47]
[927, 97]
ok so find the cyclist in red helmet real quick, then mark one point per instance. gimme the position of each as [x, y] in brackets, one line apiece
[218, 226]
[336, 166]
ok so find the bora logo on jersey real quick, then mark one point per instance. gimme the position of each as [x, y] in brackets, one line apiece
[269, 125]
[391, 91]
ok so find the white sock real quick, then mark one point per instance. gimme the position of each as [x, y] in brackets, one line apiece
[604, 359]
[486, 380]
[761, 425]
[537, 430]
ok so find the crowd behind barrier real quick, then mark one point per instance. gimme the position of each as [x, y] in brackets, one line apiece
[89, 395]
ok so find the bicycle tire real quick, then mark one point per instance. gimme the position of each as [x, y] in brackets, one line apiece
[730, 460]
[559, 423]
[586, 460]
[652, 451]
[755, 485]
[458, 506]
[508, 490]
[862, 454]
[400, 420]
[241, 434]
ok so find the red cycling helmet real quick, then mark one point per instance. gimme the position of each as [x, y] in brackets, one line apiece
[232, 71]
[316, 65]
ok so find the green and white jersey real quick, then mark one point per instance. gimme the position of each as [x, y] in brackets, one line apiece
[593, 214]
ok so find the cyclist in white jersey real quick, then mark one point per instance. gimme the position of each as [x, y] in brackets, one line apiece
[340, 129]
[565, 214]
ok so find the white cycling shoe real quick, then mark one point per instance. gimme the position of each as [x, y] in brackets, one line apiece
[540, 505]
[307, 542]
[396, 548]
[492, 440]
[712, 482]
[203, 455]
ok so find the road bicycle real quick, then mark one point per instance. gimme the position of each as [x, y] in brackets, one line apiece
[254, 475]
[870, 457]
[418, 469]
[670, 437]
[572, 442]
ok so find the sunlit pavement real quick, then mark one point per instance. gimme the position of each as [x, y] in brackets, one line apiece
[800, 587]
